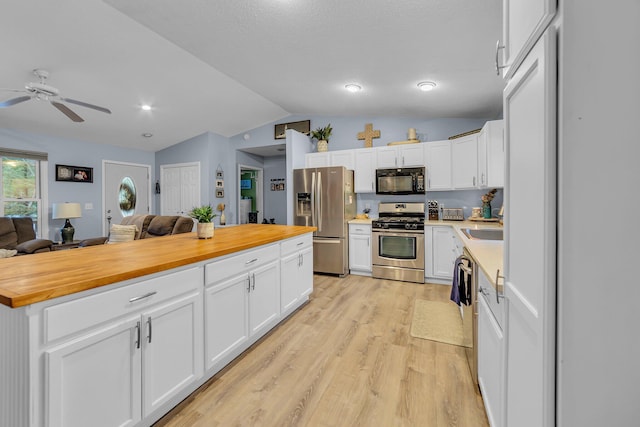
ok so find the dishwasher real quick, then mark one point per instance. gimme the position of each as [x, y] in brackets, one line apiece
[467, 269]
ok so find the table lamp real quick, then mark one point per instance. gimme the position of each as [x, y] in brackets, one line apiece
[66, 211]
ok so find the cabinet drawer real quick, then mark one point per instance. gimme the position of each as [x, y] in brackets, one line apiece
[216, 271]
[488, 292]
[362, 229]
[85, 312]
[295, 244]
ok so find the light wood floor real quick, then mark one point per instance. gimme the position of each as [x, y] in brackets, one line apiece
[344, 359]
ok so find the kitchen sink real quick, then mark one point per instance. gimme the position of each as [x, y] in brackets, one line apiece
[483, 233]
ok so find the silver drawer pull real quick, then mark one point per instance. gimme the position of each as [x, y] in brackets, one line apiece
[300, 244]
[483, 291]
[138, 298]
[251, 262]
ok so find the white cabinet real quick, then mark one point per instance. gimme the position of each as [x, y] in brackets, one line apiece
[464, 151]
[344, 158]
[365, 170]
[491, 154]
[490, 363]
[439, 165]
[317, 160]
[296, 267]
[441, 252]
[242, 302]
[396, 156]
[124, 369]
[360, 249]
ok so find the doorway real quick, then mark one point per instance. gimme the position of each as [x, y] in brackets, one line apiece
[126, 191]
[250, 194]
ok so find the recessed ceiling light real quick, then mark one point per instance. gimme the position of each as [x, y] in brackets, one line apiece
[147, 135]
[146, 107]
[352, 87]
[426, 86]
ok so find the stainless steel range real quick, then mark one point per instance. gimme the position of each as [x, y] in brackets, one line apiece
[398, 242]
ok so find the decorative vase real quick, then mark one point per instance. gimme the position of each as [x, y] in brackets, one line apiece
[204, 230]
[323, 145]
[223, 219]
[486, 210]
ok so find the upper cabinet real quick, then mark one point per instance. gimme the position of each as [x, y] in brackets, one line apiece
[523, 24]
[343, 158]
[400, 156]
[439, 165]
[317, 160]
[491, 155]
[365, 170]
[465, 162]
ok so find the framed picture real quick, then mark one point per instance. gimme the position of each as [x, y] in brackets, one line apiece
[303, 126]
[219, 193]
[219, 183]
[74, 173]
[219, 175]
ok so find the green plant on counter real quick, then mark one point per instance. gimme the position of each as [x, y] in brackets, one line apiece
[203, 214]
[322, 134]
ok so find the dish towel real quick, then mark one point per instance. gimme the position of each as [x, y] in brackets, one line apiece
[455, 289]
[461, 286]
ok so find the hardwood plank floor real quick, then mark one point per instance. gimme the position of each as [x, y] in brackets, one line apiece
[344, 359]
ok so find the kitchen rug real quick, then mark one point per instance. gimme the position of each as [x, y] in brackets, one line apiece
[438, 321]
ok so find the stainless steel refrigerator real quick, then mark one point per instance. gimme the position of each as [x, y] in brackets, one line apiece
[324, 198]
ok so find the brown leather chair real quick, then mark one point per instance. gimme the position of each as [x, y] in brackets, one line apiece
[18, 233]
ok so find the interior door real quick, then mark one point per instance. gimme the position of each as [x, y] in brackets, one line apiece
[180, 188]
[530, 238]
[126, 191]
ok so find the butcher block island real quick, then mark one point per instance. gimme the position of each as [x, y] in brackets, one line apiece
[117, 335]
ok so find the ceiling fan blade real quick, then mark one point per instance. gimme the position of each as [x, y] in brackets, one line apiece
[14, 101]
[84, 104]
[67, 112]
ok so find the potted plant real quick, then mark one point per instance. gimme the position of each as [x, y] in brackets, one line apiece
[322, 134]
[204, 215]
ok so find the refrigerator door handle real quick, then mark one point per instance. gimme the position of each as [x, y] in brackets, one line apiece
[313, 199]
[319, 213]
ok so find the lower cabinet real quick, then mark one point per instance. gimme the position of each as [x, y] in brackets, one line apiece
[441, 250]
[360, 249]
[296, 267]
[118, 374]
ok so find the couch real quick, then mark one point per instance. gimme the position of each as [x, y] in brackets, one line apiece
[18, 234]
[149, 226]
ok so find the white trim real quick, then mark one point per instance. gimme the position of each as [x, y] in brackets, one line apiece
[104, 189]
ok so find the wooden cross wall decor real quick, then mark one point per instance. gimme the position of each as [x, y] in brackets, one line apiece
[368, 135]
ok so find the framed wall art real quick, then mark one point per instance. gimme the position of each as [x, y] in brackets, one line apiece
[74, 173]
[303, 126]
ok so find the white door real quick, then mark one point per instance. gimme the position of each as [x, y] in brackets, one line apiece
[439, 165]
[264, 298]
[530, 237]
[126, 191]
[465, 161]
[180, 188]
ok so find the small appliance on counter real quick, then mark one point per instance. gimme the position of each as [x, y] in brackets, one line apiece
[434, 213]
[452, 214]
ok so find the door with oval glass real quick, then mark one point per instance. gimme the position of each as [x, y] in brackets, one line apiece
[126, 191]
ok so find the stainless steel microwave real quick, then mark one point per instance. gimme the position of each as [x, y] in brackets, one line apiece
[400, 181]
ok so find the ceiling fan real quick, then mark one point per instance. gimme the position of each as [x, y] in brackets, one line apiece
[43, 92]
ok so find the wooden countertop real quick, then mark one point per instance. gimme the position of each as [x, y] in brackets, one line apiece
[39, 277]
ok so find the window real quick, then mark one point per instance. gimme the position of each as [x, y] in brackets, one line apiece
[22, 189]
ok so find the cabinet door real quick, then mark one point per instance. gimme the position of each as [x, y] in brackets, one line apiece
[172, 349]
[226, 316]
[439, 165]
[305, 273]
[95, 380]
[490, 363]
[495, 154]
[342, 158]
[444, 254]
[386, 157]
[483, 138]
[289, 289]
[365, 170]
[264, 298]
[411, 155]
[465, 162]
[317, 160]
[523, 23]
[360, 252]
[530, 237]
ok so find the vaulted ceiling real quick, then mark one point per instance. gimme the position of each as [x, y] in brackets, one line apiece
[228, 66]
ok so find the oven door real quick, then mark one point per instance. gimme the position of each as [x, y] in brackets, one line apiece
[398, 249]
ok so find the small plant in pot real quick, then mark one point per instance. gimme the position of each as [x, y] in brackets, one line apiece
[322, 135]
[204, 215]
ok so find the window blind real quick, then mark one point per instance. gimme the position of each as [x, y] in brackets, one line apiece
[23, 154]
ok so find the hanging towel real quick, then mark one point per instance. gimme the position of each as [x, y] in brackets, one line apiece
[455, 287]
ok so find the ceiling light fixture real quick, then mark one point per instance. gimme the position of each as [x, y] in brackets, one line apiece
[146, 107]
[352, 87]
[426, 86]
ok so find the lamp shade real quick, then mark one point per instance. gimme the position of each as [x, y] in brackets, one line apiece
[66, 210]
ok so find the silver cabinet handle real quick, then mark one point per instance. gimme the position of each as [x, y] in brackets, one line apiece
[474, 181]
[483, 291]
[498, 295]
[300, 244]
[498, 66]
[149, 329]
[248, 283]
[138, 298]
[253, 288]
[251, 262]
[138, 335]
[368, 242]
